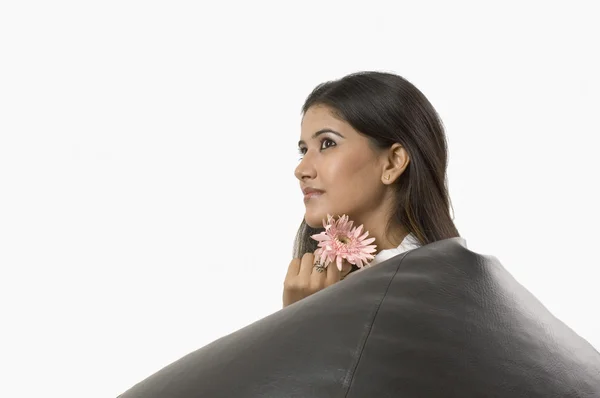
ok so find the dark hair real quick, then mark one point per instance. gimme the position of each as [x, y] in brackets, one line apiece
[389, 109]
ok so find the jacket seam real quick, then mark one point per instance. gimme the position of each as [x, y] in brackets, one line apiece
[371, 325]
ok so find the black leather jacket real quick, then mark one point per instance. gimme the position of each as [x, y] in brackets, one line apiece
[437, 321]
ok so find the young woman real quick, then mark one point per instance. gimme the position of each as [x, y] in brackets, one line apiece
[435, 319]
[374, 148]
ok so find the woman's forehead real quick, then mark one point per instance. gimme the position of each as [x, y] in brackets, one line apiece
[318, 118]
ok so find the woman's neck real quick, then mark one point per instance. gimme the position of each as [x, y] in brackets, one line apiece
[385, 241]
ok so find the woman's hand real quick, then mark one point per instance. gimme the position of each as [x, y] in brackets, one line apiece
[303, 279]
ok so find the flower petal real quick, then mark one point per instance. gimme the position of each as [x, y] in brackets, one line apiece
[358, 231]
[339, 262]
[367, 241]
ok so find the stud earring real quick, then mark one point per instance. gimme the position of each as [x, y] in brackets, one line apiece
[387, 177]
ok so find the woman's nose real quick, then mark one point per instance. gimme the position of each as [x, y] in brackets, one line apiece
[304, 169]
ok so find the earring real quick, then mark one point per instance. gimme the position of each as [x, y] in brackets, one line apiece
[387, 177]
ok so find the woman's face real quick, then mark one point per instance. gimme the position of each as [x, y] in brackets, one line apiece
[339, 161]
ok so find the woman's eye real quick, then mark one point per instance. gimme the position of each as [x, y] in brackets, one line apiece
[302, 151]
[325, 140]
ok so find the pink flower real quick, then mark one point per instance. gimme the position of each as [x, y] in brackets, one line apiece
[341, 242]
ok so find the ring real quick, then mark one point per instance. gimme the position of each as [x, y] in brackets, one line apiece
[320, 267]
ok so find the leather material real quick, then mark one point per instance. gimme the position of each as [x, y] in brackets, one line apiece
[437, 321]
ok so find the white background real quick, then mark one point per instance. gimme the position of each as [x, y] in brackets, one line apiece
[147, 198]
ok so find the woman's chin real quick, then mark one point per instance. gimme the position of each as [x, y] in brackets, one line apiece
[315, 221]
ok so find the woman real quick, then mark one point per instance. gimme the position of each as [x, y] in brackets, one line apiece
[373, 148]
[438, 321]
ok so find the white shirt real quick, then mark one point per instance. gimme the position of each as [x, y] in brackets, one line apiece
[408, 243]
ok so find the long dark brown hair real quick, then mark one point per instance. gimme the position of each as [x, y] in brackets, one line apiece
[388, 109]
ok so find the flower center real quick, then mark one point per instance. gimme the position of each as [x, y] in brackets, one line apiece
[344, 239]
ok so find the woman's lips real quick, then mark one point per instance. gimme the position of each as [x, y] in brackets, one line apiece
[312, 195]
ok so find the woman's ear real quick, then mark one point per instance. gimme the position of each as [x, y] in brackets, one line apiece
[396, 161]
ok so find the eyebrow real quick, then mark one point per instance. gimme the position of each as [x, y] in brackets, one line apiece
[318, 133]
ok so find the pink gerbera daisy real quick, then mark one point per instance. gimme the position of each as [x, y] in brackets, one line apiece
[341, 242]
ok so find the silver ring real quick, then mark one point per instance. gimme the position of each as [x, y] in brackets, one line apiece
[320, 267]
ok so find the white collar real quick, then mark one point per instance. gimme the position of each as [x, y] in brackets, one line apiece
[408, 243]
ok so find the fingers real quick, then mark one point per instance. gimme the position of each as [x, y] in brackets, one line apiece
[333, 274]
[304, 279]
[305, 269]
[293, 268]
[306, 265]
